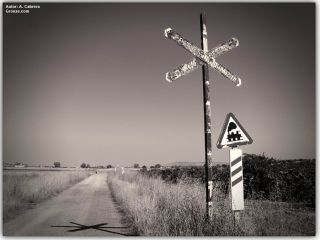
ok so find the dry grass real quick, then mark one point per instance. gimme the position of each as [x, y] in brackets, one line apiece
[155, 208]
[22, 189]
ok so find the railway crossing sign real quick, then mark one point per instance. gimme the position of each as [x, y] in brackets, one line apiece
[204, 58]
[233, 134]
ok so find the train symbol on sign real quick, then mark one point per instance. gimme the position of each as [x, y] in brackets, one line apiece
[233, 134]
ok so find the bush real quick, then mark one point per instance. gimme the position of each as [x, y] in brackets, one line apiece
[57, 164]
[264, 178]
[84, 165]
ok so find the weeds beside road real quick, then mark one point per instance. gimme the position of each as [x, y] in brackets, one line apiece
[156, 208]
[21, 189]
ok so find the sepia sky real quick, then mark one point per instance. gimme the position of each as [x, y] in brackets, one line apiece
[86, 82]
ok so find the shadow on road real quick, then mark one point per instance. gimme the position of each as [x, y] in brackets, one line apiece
[101, 227]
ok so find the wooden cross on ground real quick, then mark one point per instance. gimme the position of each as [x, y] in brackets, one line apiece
[204, 58]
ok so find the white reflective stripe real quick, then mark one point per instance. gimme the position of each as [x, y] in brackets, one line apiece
[236, 165]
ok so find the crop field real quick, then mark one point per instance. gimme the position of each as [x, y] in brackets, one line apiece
[24, 188]
[160, 204]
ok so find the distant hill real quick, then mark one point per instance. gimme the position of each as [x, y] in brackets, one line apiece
[189, 164]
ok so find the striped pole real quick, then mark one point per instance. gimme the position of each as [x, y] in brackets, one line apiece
[237, 197]
[236, 179]
[207, 120]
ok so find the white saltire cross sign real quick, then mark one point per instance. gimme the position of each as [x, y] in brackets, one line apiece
[201, 57]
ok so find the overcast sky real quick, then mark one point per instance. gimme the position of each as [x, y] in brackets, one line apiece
[86, 82]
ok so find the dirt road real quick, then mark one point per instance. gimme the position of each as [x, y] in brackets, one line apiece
[86, 209]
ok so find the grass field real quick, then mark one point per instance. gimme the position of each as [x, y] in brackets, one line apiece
[156, 208]
[22, 189]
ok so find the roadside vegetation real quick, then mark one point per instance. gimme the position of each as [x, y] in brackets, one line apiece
[175, 205]
[22, 189]
[264, 178]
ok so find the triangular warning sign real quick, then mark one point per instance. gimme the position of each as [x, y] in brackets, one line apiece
[233, 134]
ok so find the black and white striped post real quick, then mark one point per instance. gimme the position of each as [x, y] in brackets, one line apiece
[203, 57]
[236, 180]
